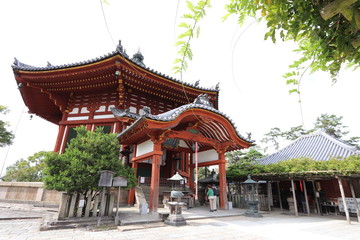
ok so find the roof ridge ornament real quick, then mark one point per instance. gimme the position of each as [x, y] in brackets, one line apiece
[203, 99]
[217, 87]
[16, 61]
[197, 83]
[138, 58]
[146, 111]
[249, 136]
[120, 49]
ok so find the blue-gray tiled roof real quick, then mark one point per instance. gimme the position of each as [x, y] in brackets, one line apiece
[318, 146]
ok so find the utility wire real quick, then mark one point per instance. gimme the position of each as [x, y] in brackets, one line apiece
[8, 150]
[233, 50]
[106, 24]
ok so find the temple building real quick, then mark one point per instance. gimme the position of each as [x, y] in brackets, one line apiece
[164, 125]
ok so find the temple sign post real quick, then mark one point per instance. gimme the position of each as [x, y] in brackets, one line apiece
[106, 179]
[118, 182]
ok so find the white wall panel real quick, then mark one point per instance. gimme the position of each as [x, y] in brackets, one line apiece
[207, 156]
[183, 144]
[145, 147]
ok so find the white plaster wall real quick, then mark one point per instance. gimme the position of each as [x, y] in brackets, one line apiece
[104, 116]
[74, 111]
[207, 156]
[78, 118]
[110, 107]
[84, 110]
[183, 144]
[101, 109]
[145, 147]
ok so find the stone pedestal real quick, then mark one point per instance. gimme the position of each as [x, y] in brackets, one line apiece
[290, 201]
[143, 208]
[175, 218]
[252, 210]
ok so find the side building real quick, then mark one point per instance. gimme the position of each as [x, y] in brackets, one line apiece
[317, 191]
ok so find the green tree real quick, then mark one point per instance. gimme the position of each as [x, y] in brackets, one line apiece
[29, 170]
[242, 162]
[6, 136]
[326, 31]
[239, 156]
[78, 168]
[328, 123]
[331, 124]
[203, 172]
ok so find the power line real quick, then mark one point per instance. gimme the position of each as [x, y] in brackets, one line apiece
[106, 24]
[8, 150]
[232, 52]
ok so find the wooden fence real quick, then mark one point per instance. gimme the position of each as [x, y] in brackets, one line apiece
[78, 205]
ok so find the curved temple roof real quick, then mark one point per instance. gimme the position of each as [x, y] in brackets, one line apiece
[318, 146]
[213, 129]
[137, 59]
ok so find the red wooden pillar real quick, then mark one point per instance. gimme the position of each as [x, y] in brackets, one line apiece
[191, 172]
[59, 138]
[191, 179]
[131, 197]
[222, 181]
[155, 178]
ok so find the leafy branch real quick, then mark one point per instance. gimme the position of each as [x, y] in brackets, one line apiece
[190, 30]
[299, 166]
[327, 43]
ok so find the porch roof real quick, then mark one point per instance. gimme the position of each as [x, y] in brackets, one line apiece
[199, 120]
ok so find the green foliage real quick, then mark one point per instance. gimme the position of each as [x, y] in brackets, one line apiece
[197, 12]
[299, 166]
[77, 169]
[6, 136]
[29, 170]
[325, 45]
[242, 163]
[272, 137]
[331, 124]
[308, 166]
[243, 156]
[203, 171]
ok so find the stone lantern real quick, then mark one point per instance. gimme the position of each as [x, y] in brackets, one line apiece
[251, 197]
[175, 217]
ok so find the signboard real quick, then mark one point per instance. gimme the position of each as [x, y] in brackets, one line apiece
[119, 182]
[349, 203]
[81, 203]
[106, 178]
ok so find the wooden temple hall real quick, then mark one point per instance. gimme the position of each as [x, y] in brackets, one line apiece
[164, 125]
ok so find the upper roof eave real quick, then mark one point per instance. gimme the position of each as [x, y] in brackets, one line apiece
[19, 66]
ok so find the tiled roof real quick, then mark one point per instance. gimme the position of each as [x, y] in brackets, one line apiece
[318, 146]
[17, 65]
[172, 115]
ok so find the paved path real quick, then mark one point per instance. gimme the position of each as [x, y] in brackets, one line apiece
[270, 226]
